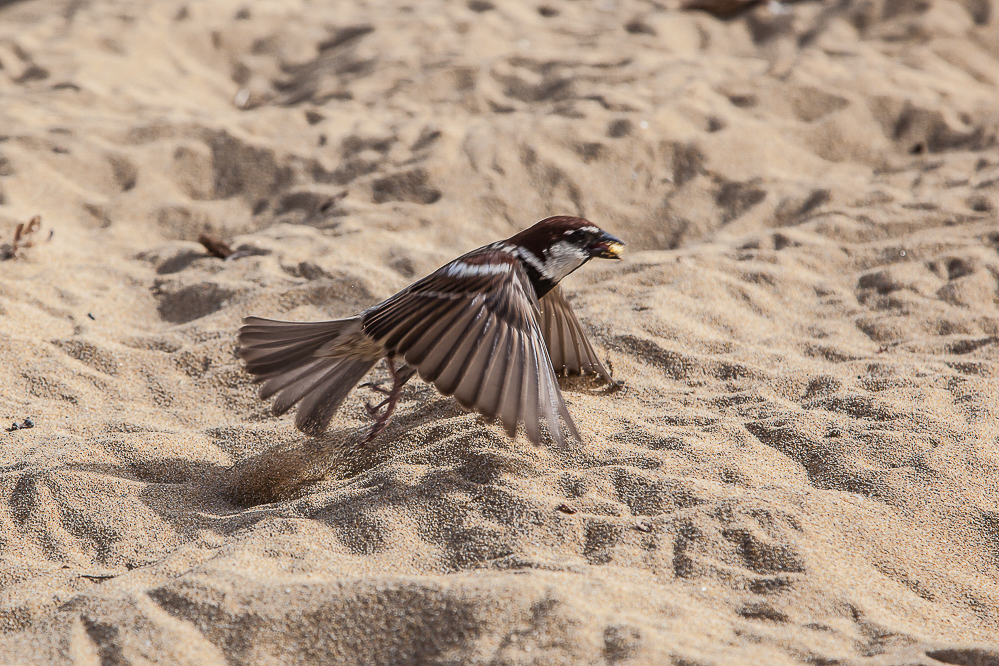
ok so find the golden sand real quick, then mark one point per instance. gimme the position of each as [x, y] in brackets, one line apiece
[802, 465]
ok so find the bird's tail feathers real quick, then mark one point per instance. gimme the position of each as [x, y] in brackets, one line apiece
[283, 357]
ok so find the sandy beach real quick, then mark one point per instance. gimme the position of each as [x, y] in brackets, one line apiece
[801, 465]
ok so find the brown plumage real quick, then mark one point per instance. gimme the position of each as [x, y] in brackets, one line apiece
[490, 328]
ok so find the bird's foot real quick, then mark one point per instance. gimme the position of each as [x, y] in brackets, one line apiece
[389, 403]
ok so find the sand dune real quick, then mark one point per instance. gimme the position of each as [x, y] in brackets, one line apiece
[800, 467]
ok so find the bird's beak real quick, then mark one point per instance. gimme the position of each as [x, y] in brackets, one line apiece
[607, 247]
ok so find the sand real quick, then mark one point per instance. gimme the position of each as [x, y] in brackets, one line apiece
[802, 464]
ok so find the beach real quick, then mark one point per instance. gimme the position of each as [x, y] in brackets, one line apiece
[800, 464]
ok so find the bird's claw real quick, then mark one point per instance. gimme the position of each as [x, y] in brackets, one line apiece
[373, 409]
[377, 388]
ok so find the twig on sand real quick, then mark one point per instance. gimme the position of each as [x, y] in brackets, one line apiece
[721, 8]
[215, 246]
[23, 238]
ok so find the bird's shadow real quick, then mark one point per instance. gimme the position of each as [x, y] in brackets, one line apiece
[285, 470]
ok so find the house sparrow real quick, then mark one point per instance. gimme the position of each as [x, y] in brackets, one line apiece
[490, 328]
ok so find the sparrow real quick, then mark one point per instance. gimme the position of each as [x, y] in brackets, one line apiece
[491, 328]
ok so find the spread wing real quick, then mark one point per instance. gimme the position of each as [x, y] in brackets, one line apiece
[568, 348]
[471, 329]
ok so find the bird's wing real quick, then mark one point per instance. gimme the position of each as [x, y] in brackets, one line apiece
[571, 353]
[471, 329]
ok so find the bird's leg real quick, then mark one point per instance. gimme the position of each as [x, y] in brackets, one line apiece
[389, 403]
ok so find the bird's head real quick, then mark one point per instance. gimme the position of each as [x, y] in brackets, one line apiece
[556, 246]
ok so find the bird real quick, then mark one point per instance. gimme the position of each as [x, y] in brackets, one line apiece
[491, 328]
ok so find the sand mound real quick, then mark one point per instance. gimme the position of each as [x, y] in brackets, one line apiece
[801, 465]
